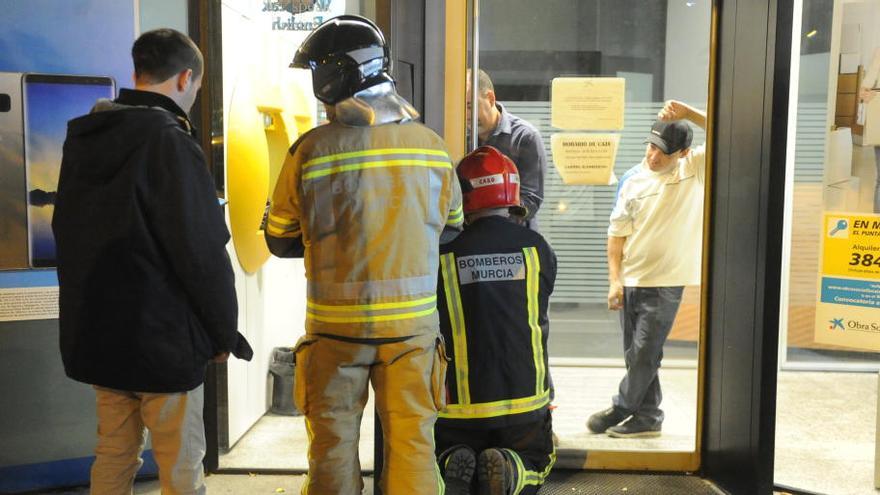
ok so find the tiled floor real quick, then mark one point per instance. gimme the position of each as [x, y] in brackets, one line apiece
[579, 334]
[825, 434]
[279, 442]
[825, 426]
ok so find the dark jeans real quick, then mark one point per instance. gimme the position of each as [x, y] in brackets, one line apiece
[646, 318]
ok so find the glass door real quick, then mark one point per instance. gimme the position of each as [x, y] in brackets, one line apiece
[589, 72]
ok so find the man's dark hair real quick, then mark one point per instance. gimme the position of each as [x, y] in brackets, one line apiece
[163, 53]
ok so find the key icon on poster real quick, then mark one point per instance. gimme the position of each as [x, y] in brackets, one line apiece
[841, 225]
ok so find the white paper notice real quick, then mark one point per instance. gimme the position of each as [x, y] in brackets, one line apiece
[29, 303]
[585, 158]
[587, 103]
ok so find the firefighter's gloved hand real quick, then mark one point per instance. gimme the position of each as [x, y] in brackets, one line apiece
[265, 220]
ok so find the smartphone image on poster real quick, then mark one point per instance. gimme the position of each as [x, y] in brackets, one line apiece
[13, 207]
[49, 102]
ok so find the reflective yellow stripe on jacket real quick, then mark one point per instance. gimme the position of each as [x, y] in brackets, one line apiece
[282, 227]
[456, 320]
[456, 217]
[374, 158]
[533, 272]
[371, 313]
[497, 408]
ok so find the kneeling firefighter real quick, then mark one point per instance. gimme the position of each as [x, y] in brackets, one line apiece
[495, 435]
[366, 199]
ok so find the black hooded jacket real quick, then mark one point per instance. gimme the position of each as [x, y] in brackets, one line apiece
[147, 289]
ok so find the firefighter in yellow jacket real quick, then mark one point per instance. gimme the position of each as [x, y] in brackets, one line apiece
[366, 199]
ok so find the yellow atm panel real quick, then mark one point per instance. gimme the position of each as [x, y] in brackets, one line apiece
[262, 126]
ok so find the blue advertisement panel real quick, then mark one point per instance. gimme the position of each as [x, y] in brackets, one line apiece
[80, 37]
[47, 37]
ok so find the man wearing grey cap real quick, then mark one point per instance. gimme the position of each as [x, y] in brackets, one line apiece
[654, 250]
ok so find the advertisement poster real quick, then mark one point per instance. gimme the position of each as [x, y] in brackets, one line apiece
[585, 159]
[42, 44]
[587, 103]
[848, 306]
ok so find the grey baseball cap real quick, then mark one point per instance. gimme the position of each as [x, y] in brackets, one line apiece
[670, 136]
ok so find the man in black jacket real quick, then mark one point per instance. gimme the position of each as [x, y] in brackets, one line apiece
[147, 294]
[495, 284]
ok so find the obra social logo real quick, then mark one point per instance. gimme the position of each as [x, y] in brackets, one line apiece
[840, 325]
[836, 323]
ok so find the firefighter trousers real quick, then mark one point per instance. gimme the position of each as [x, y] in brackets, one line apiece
[332, 376]
[529, 446]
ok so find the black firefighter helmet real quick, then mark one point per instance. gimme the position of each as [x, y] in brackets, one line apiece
[346, 54]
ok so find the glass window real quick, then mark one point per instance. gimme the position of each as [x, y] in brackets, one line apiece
[828, 322]
[661, 52]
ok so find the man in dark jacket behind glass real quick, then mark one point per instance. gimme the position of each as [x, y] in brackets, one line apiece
[147, 291]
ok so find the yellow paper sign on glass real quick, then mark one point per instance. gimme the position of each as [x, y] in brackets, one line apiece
[585, 158]
[587, 103]
[848, 295]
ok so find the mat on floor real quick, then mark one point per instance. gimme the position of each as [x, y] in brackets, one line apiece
[590, 483]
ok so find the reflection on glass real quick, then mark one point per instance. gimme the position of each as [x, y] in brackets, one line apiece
[827, 314]
[661, 51]
[832, 170]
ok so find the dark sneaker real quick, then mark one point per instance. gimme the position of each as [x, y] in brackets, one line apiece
[458, 471]
[602, 420]
[636, 427]
[495, 473]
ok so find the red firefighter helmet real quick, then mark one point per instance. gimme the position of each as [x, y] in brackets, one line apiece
[489, 179]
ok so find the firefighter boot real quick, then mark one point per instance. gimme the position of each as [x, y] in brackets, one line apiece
[496, 474]
[459, 464]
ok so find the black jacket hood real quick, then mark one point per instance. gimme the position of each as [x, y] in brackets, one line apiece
[109, 135]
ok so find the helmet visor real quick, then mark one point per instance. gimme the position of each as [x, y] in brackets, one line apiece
[301, 60]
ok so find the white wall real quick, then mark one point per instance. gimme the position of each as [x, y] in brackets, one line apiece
[271, 314]
[156, 14]
[865, 15]
[687, 50]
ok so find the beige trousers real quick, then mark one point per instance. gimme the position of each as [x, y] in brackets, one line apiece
[177, 431]
[332, 377]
